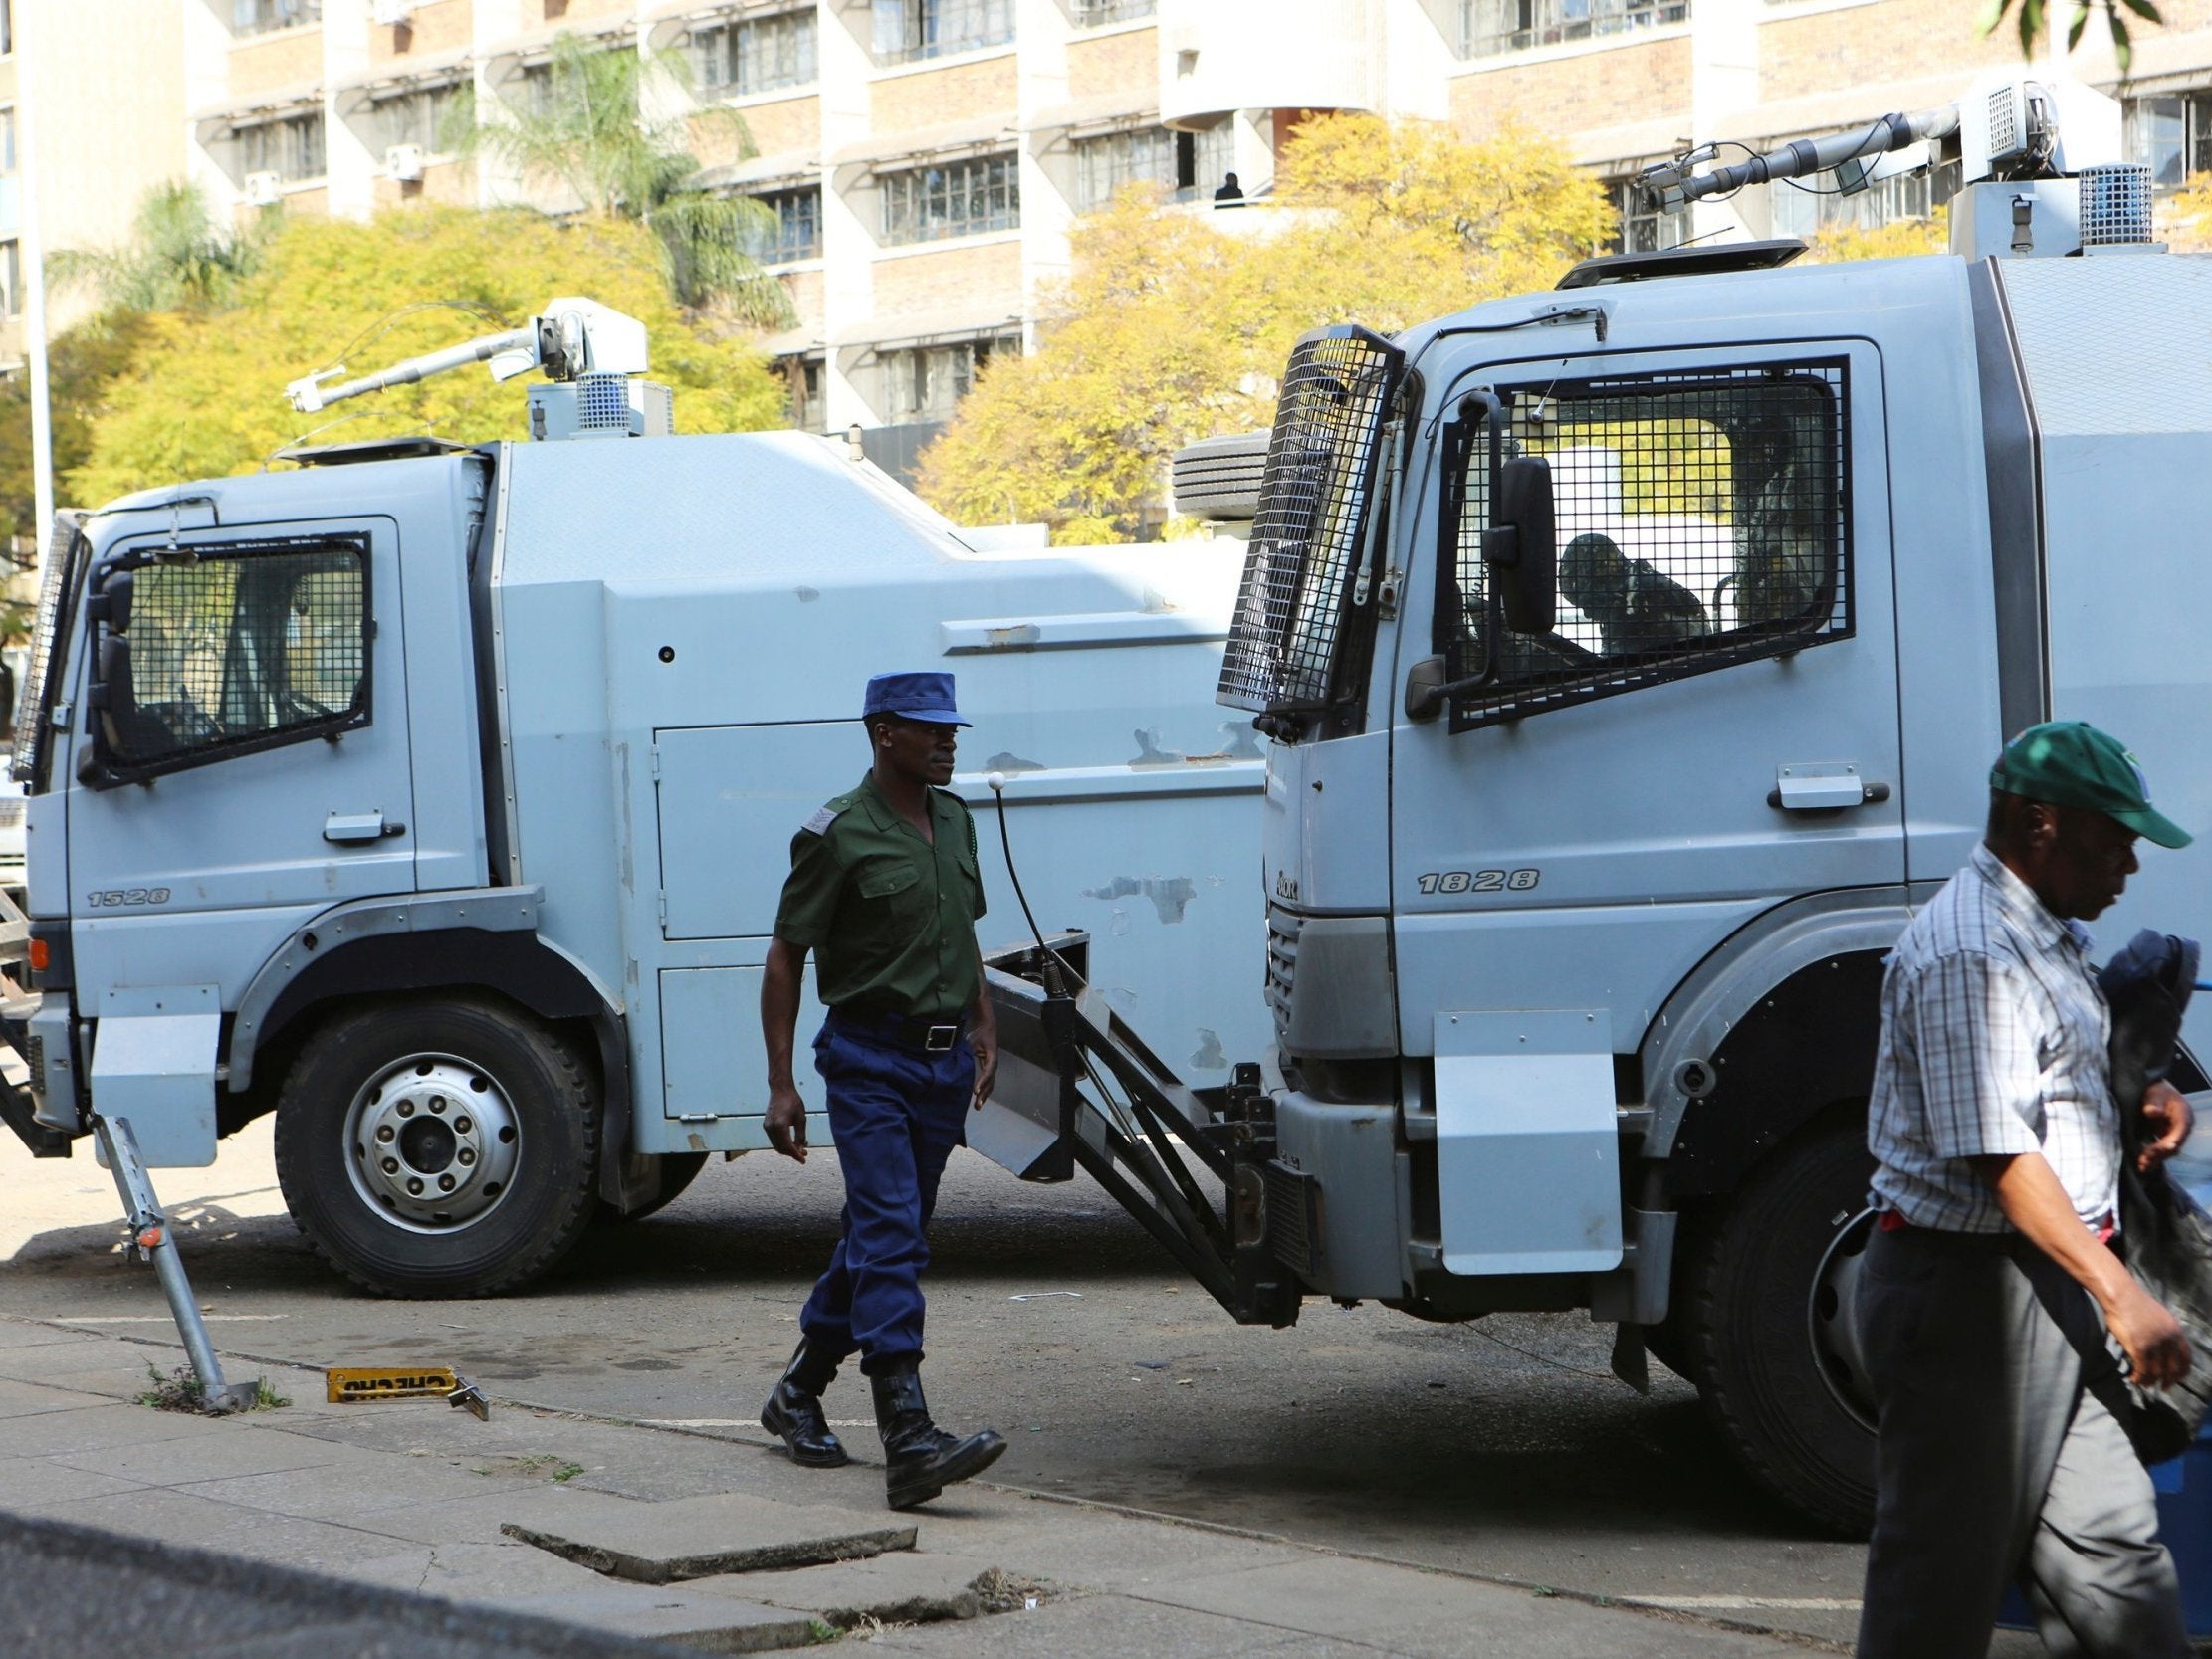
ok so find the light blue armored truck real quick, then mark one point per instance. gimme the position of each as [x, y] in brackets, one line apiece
[437, 799]
[1632, 657]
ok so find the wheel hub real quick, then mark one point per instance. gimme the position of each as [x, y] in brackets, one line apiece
[432, 1142]
[1833, 1323]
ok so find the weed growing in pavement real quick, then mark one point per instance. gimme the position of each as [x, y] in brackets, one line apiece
[180, 1390]
[1001, 1591]
[566, 1473]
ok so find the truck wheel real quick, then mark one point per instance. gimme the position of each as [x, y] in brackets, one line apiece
[1773, 1347]
[674, 1171]
[439, 1148]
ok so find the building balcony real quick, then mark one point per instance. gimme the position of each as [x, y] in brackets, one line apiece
[1218, 57]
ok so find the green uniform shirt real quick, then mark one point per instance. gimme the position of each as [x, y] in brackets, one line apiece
[890, 917]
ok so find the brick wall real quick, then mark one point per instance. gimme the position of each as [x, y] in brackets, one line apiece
[1114, 64]
[1864, 46]
[1570, 95]
[787, 126]
[806, 290]
[285, 59]
[924, 284]
[309, 204]
[557, 12]
[440, 26]
[938, 98]
[446, 183]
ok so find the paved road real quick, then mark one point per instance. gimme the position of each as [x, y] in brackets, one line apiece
[1503, 1448]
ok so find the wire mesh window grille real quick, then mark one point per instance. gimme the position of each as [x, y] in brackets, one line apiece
[59, 581]
[1490, 27]
[907, 31]
[237, 651]
[1314, 499]
[755, 54]
[954, 198]
[1702, 519]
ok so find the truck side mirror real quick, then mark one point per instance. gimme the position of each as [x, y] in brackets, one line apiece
[113, 698]
[1521, 546]
[110, 606]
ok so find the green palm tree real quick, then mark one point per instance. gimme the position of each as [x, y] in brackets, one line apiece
[178, 257]
[584, 127]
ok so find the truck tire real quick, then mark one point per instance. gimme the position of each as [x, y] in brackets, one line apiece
[1772, 1348]
[674, 1170]
[439, 1148]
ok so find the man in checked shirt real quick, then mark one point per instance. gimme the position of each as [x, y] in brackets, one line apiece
[1990, 1301]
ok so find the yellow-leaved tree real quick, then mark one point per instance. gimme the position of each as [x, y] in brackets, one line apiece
[204, 396]
[1895, 240]
[1176, 321]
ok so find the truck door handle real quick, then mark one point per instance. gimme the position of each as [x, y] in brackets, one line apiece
[1822, 787]
[360, 826]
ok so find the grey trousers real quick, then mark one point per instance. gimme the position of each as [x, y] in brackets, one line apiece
[1998, 1462]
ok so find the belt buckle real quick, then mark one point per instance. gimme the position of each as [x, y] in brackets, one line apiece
[938, 1039]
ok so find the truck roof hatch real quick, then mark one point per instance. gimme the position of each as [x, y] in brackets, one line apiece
[407, 448]
[1696, 261]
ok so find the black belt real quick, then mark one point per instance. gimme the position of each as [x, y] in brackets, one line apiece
[922, 1033]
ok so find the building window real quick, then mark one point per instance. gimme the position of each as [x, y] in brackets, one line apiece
[258, 16]
[803, 378]
[291, 148]
[7, 27]
[1805, 213]
[1096, 14]
[7, 138]
[798, 227]
[957, 198]
[907, 31]
[2171, 135]
[755, 54]
[926, 382]
[424, 117]
[1490, 27]
[1104, 166]
[11, 278]
[1202, 161]
[1646, 228]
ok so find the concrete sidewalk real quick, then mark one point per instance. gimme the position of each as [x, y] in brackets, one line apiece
[564, 1528]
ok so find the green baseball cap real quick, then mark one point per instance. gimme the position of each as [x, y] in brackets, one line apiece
[2072, 763]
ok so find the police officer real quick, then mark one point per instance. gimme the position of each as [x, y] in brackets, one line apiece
[884, 890]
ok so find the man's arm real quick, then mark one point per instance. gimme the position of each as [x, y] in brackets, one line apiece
[983, 1033]
[2166, 1110]
[2034, 1202]
[786, 1114]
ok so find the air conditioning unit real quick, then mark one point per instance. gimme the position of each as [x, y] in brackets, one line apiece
[404, 162]
[264, 189]
[392, 12]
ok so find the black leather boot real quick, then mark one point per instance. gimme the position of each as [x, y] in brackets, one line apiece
[794, 1410]
[920, 1460]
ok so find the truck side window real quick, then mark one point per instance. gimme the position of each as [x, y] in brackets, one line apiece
[241, 649]
[1702, 520]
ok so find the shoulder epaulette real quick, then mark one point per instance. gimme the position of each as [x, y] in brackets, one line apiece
[826, 815]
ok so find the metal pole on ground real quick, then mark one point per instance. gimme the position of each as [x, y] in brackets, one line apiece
[150, 1231]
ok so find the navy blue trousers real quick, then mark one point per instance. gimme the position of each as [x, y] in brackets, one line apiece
[896, 1115]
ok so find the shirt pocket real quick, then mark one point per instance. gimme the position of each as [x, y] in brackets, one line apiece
[969, 873]
[891, 889]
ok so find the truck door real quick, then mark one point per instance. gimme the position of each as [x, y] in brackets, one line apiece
[1711, 724]
[243, 751]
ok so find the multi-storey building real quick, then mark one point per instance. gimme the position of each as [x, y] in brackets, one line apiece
[84, 128]
[925, 158]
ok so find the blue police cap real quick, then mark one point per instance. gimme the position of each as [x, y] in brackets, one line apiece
[914, 696]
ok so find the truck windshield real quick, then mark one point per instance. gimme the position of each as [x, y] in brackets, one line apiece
[1701, 519]
[1314, 500]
